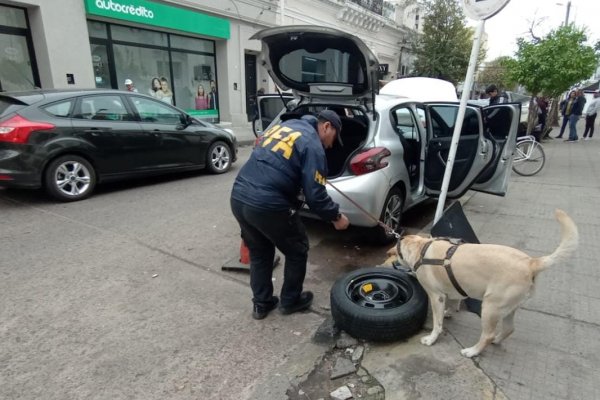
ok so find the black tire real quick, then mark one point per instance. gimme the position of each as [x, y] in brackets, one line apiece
[70, 178]
[391, 215]
[529, 158]
[393, 307]
[218, 158]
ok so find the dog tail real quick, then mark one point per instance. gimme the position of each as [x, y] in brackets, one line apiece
[569, 237]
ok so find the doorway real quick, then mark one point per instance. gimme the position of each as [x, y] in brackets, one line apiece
[250, 62]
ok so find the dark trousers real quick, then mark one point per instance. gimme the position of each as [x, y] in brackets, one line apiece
[263, 231]
[590, 120]
[565, 121]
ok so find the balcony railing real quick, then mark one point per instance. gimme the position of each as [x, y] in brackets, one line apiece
[375, 6]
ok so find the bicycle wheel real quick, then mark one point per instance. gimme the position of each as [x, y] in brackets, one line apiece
[528, 158]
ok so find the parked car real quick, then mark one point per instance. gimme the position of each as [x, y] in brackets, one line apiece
[67, 141]
[396, 144]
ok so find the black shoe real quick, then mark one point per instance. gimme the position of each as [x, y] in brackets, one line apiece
[260, 311]
[303, 303]
[558, 137]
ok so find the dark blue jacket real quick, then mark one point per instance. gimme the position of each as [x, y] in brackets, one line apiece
[289, 157]
[578, 106]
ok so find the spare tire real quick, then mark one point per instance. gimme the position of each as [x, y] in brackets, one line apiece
[378, 304]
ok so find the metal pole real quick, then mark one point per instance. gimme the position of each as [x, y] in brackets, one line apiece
[459, 120]
[568, 12]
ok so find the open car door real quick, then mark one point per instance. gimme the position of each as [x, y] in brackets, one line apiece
[484, 153]
[501, 125]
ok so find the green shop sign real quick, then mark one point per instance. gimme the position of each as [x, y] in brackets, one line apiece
[156, 14]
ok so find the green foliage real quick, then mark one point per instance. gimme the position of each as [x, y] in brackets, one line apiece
[555, 63]
[444, 49]
[496, 72]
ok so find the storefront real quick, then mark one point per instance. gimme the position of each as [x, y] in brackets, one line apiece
[18, 70]
[175, 68]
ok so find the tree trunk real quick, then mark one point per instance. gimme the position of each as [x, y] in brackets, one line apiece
[553, 113]
[532, 117]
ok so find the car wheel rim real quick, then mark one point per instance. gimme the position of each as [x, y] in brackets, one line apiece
[72, 178]
[378, 291]
[220, 157]
[393, 212]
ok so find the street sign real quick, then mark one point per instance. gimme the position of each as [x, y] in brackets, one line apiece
[483, 9]
[383, 68]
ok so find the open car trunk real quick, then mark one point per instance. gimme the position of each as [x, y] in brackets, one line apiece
[355, 129]
[354, 133]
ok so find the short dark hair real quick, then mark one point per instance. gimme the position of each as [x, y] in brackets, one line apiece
[491, 88]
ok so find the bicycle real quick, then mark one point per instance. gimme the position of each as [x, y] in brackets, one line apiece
[529, 157]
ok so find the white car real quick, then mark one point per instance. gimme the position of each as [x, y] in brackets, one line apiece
[396, 143]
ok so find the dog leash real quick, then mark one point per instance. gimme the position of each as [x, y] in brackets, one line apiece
[387, 228]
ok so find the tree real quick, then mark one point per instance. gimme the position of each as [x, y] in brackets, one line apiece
[444, 49]
[553, 64]
[496, 72]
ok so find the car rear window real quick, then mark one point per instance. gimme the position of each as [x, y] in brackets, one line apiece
[61, 109]
[8, 105]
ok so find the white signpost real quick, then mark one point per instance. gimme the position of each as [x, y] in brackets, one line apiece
[479, 10]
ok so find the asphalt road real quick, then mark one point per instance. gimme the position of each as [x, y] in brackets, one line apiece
[122, 295]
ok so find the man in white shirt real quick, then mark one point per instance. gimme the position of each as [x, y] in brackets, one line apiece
[590, 116]
[129, 86]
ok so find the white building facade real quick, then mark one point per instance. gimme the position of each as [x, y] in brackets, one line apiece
[199, 49]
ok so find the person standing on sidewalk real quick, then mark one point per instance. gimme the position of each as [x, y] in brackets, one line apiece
[576, 111]
[290, 157]
[565, 109]
[590, 117]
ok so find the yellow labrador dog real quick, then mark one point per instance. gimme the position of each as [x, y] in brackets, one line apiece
[501, 276]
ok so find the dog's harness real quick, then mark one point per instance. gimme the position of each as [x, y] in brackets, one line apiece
[445, 262]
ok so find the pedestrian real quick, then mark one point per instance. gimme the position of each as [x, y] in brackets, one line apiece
[129, 86]
[289, 158]
[542, 112]
[166, 94]
[576, 111]
[495, 98]
[566, 105]
[590, 116]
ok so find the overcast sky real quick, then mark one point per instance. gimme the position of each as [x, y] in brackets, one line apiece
[514, 20]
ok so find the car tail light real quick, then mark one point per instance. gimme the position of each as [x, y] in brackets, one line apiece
[17, 129]
[369, 160]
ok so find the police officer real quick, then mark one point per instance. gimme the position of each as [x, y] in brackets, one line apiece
[289, 157]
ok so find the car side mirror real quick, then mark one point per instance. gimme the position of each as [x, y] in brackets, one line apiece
[186, 121]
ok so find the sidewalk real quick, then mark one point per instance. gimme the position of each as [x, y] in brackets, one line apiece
[554, 351]
[243, 133]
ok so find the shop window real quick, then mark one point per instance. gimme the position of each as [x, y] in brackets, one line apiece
[135, 35]
[61, 109]
[97, 29]
[15, 63]
[195, 84]
[198, 45]
[13, 17]
[146, 68]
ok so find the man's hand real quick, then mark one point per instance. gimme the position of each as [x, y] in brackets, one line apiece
[341, 223]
